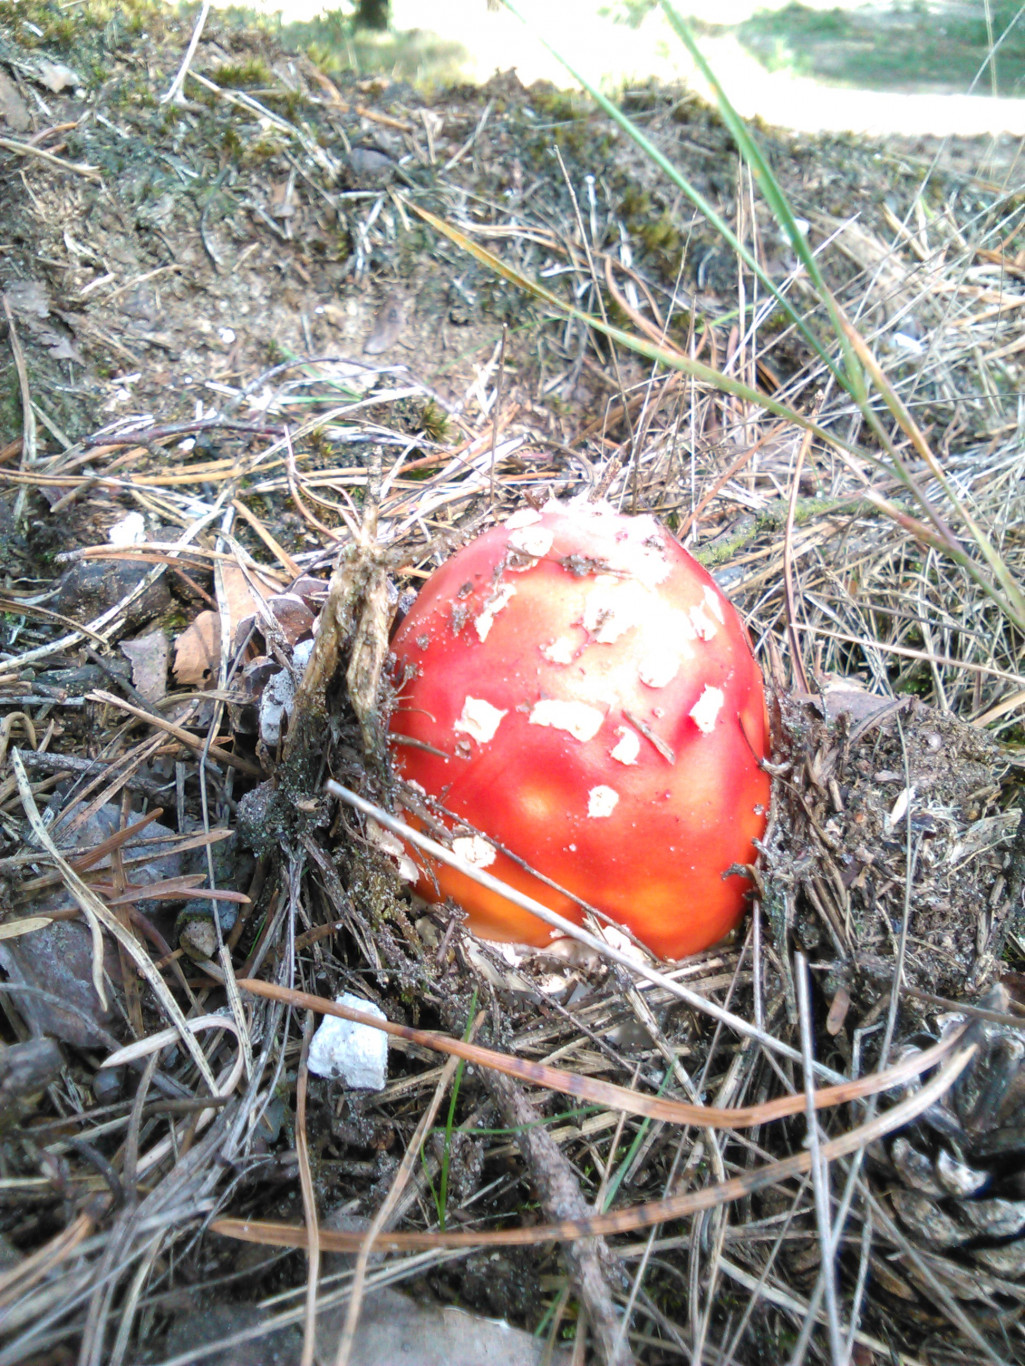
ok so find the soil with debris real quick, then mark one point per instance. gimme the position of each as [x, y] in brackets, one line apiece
[234, 300]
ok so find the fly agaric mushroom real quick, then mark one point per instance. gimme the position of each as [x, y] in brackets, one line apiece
[574, 690]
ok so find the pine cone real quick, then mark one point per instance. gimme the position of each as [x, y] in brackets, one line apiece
[955, 1183]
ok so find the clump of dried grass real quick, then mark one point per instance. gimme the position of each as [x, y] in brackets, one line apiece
[839, 580]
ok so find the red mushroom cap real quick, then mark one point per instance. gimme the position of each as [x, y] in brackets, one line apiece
[579, 691]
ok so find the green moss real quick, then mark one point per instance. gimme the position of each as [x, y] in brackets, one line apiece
[263, 149]
[80, 32]
[434, 421]
[318, 444]
[662, 238]
[288, 103]
[556, 105]
[326, 58]
[231, 145]
[134, 94]
[249, 75]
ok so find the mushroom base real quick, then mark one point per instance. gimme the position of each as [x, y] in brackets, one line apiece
[493, 916]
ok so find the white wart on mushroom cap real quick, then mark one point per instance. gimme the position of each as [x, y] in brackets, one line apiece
[598, 711]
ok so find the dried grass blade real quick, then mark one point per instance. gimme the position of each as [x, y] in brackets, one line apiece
[180, 733]
[851, 379]
[704, 207]
[273, 1234]
[309, 1198]
[667, 356]
[380, 1220]
[607, 1093]
[1014, 606]
[636, 967]
[95, 911]
[117, 840]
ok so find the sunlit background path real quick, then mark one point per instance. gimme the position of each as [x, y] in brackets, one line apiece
[914, 67]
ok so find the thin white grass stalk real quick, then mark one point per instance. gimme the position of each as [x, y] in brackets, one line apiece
[95, 911]
[801, 1309]
[770, 187]
[691, 191]
[943, 539]
[309, 1198]
[820, 1184]
[129, 1308]
[855, 362]
[567, 927]
[852, 374]
[673, 360]
[380, 1220]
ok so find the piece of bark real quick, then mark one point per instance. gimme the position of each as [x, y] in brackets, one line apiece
[561, 1198]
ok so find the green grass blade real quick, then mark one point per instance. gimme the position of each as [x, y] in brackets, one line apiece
[441, 1200]
[699, 201]
[773, 194]
[672, 360]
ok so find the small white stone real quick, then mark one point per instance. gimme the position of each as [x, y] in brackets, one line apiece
[275, 707]
[602, 801]
[479, 719]
[356, 1054]
[131, 530]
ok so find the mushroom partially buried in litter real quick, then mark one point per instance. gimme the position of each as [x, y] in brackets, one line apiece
[575, 690]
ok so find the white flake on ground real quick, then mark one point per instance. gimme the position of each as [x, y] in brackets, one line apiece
[702, 622]
[354, 1053]
[580, 720]
[561, 651]
[130, 530]
[899, 809]
[658, 667]
[715, 604]
[706, 709]
[532, 540]
[391, 845]
[478, 719]
[525, 517]
[486, 619]
[602, 801]
[628, 747]
[275, 707]
[474, 850]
